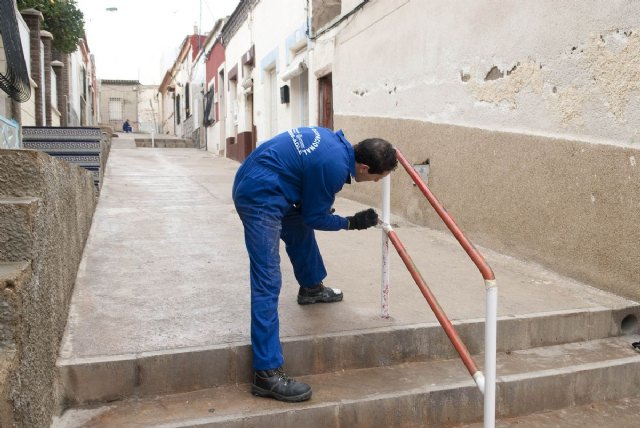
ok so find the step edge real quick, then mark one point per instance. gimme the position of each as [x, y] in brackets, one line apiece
[465, 387]
[66, 361]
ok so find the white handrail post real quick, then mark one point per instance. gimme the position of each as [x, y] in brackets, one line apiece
[490, 345]
[386, 219]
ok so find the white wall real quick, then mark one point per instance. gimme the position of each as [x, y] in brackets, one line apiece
[236, 118]
[574, 68]
[168, 109]
[28, 108]
[198, 89]
[148, 108]
[75, 88]
[273, 28]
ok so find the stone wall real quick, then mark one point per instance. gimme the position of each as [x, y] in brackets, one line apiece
[47, 206]
[569, 205]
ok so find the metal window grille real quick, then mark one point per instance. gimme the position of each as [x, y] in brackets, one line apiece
[116, 108]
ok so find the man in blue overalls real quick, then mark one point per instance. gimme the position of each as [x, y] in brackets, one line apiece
[284, 190]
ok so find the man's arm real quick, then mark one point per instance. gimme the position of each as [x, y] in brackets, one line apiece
[319, 188]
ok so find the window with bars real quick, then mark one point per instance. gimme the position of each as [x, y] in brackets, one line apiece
[116, 109]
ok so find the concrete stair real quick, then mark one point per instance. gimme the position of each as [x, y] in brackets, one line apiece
[387, 377]
[162, 142]
[158, 332]
[621, 413]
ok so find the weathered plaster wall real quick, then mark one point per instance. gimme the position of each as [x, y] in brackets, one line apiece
[569, 205]
[529, 113]
[48, 234]
[565, 69]
[324, 11]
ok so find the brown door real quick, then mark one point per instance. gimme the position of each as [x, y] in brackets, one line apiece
[325, 98]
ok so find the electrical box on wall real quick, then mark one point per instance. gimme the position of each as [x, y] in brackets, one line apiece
[284, 94]
[423, 170]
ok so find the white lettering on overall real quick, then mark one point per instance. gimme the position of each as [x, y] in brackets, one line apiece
[296, 138]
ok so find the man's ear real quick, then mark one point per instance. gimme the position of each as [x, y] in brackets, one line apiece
[363, 167]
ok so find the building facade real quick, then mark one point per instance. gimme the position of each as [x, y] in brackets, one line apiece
[119, 101]
[525, 114]
[62, 87]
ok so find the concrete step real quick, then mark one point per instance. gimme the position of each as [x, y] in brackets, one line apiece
[105, 378]
[611, 413]
[17, 223]
[429, 393]
[165, 143]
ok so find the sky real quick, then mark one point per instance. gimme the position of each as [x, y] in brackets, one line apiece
[140, 39]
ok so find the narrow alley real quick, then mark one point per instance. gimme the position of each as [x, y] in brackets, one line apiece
[161, 303]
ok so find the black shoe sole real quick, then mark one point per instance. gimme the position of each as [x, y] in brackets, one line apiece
[308, 300]
[259, 392]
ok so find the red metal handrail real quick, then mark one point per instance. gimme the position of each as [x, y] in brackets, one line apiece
[486, 382]
[435, 306]
[478, 260]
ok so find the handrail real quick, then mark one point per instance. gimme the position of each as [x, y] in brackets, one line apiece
[486, 382]
[433, 303]
[485, 269]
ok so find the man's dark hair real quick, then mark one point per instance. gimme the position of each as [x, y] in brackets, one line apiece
[378, 154]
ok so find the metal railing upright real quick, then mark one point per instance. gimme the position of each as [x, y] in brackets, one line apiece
[486, 382]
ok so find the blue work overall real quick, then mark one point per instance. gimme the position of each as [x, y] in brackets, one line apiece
[285, 190]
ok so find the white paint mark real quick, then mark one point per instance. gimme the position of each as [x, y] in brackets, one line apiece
[632, 160]
[593, 199]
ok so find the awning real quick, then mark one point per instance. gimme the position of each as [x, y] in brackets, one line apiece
[296, 68]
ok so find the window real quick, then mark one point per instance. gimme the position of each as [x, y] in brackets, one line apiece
[178, 109]
[187, 103]
[209, 114]
[325, 100]
[116, 109]
[84, 83]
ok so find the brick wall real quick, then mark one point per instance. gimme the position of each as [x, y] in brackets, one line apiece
[47, 41]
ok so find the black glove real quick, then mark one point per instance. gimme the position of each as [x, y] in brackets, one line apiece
[363, 220]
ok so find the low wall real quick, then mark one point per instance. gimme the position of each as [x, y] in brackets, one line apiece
[53, 202]
[571, 206]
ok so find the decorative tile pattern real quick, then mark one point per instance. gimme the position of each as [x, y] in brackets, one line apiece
[76, 145]
[39, 133]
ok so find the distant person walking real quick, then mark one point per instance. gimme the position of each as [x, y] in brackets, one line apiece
[284, 190]
[126, 126]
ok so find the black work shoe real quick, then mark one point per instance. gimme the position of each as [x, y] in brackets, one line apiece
[276, 384]
[318, 294]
